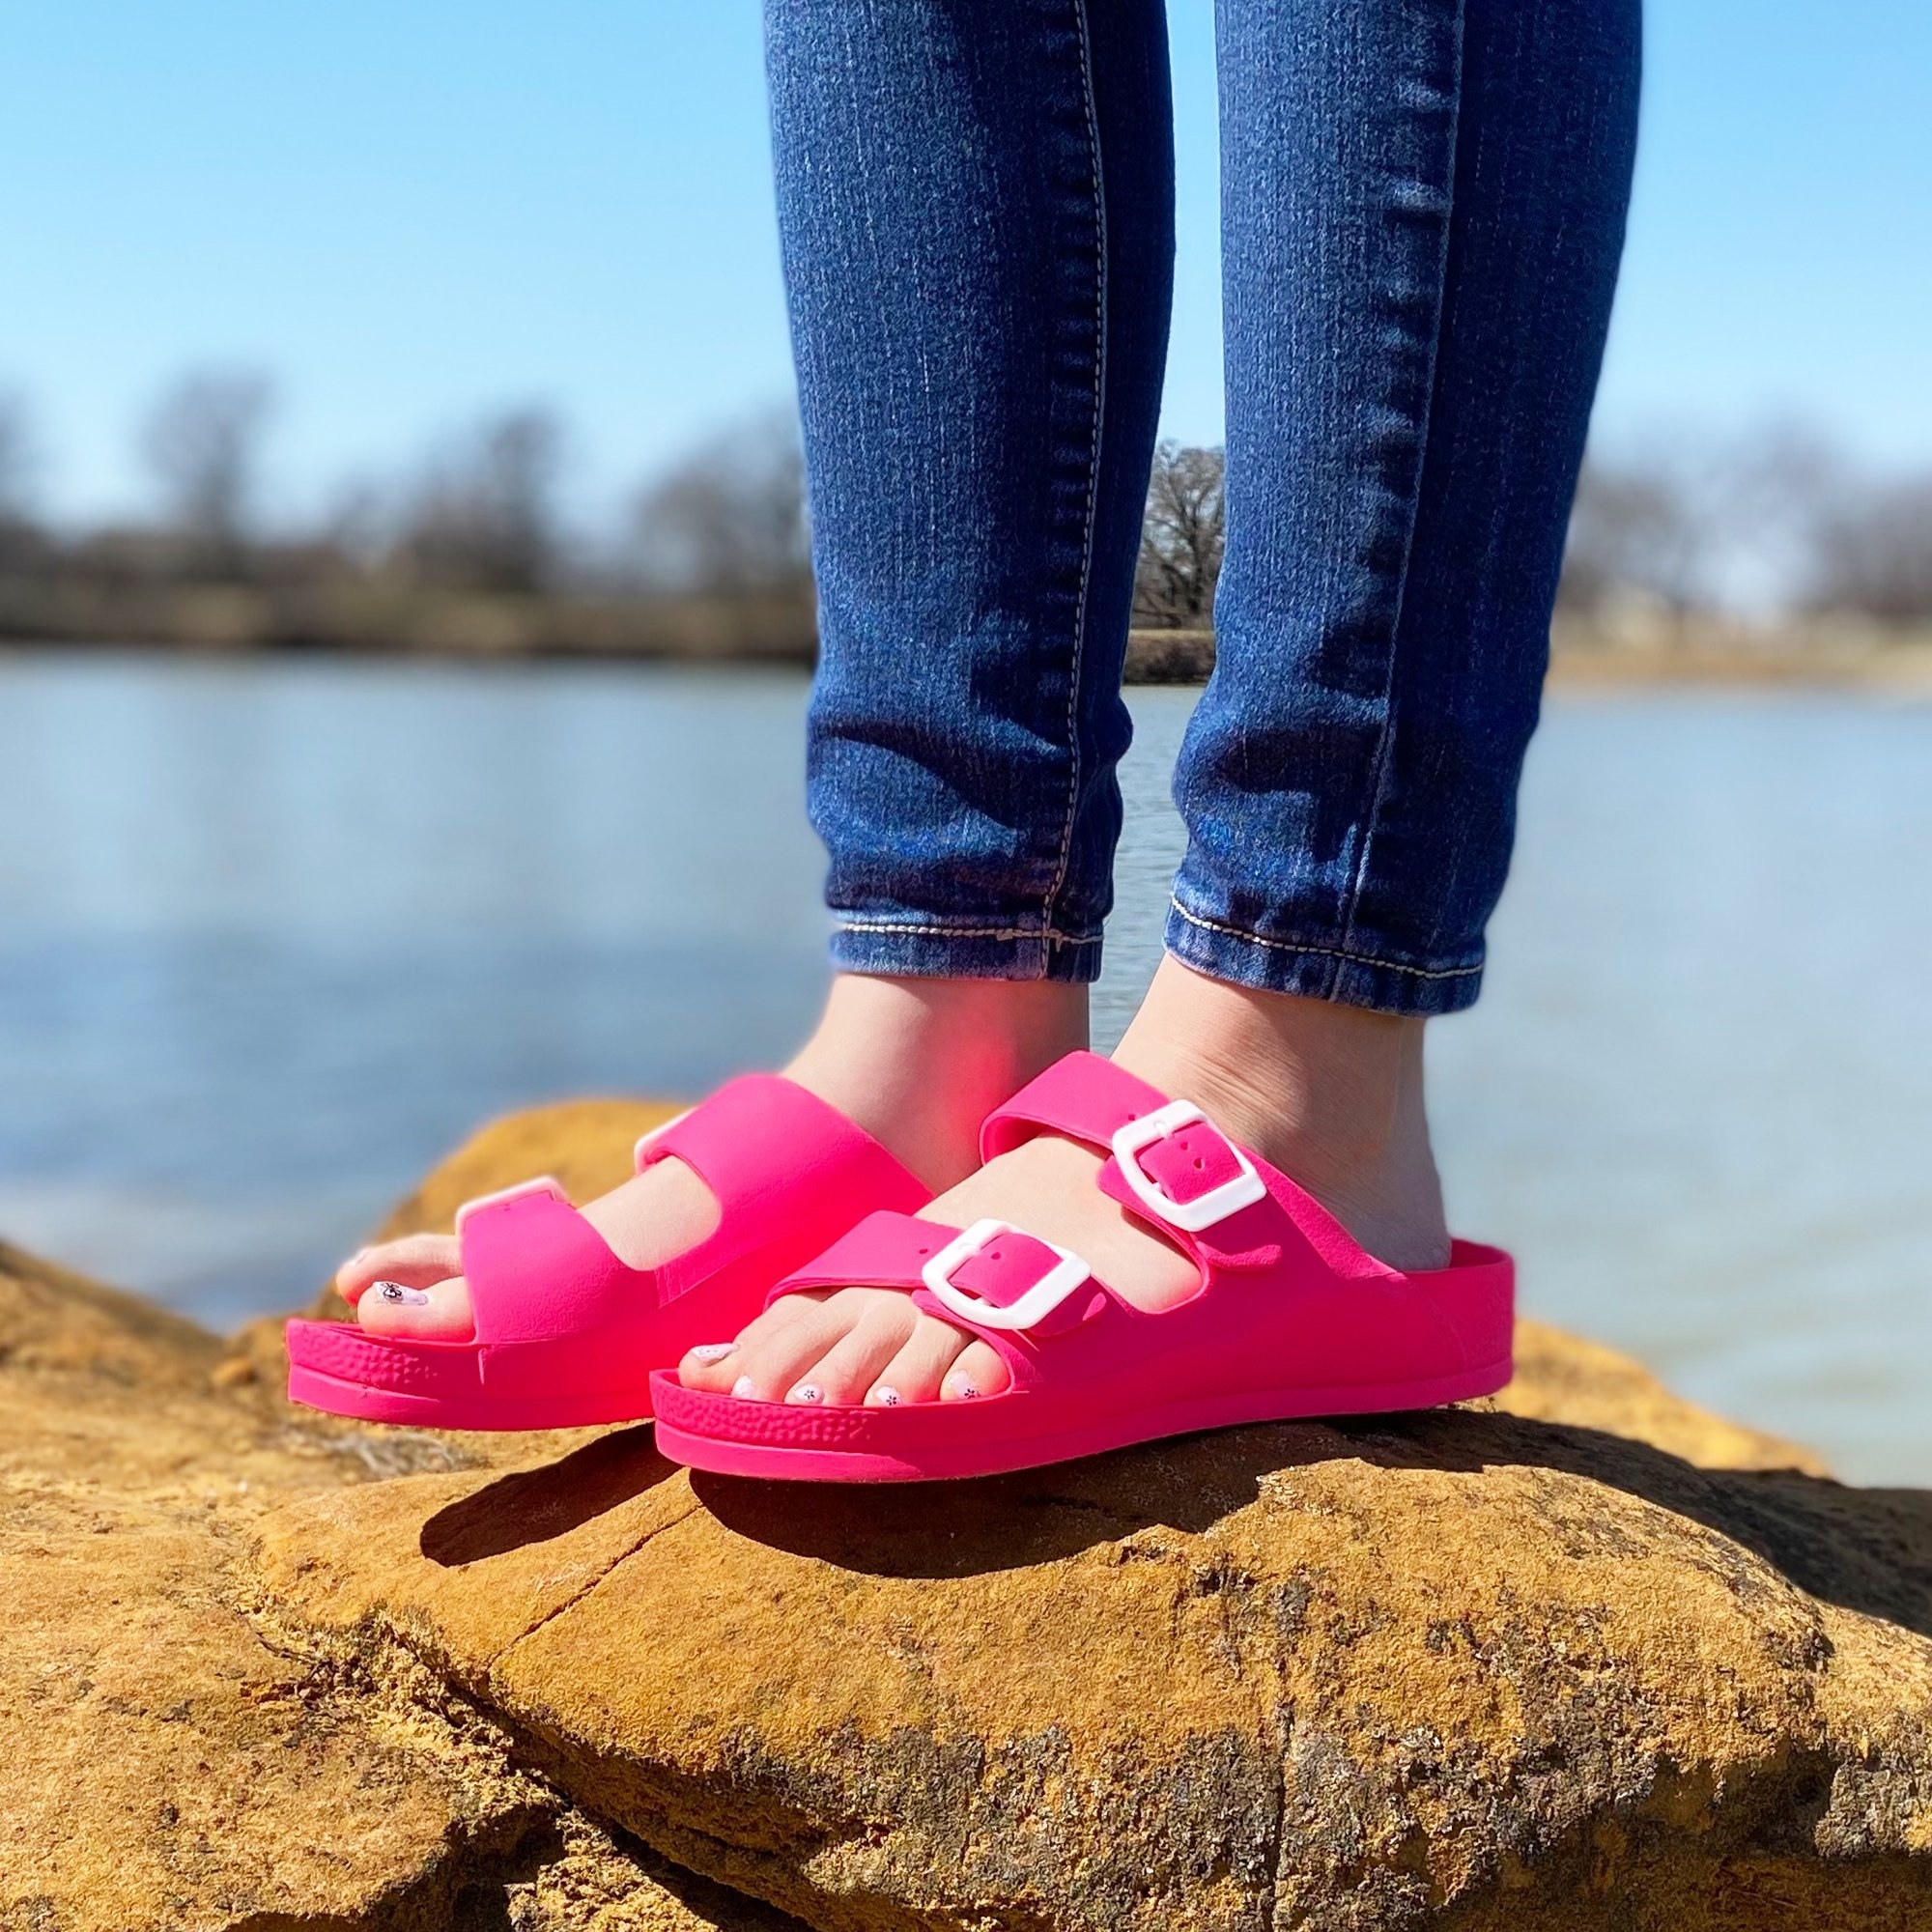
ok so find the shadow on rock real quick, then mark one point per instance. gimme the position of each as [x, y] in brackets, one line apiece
[539, 1505]
[1866, 1550]
[1018, 1522]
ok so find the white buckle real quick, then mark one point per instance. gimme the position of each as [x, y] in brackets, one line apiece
[1035, 1305]
[1205, 1210]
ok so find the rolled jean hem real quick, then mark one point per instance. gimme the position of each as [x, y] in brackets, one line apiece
[953, 950]
[1318, 971]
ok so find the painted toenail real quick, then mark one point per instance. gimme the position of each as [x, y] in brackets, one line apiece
[713, 1351]
[807, 1392]
[745, 1388]
[395, 1292]
[964, 1391]
[887, 1397]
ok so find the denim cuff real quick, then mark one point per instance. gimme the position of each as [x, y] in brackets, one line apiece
[1351, 975]
[916, 946]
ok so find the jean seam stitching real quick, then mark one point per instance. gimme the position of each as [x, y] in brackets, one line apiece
[923, 929]
[1347, 955]
[1385, 742]
[1082, 35]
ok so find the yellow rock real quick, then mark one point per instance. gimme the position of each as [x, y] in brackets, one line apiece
[1603, 1662]
[165, 1766]
[1460, 1668]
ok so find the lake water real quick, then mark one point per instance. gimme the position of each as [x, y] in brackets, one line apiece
[275, 934]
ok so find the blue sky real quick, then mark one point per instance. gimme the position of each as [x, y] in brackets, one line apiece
[411, 214]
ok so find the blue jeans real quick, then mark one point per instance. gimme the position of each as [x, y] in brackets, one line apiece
[1423, 206]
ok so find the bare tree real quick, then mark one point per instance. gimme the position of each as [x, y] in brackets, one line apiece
[359, 522]
[1640, 525]
[19, 463]
[1697, 521]
[729, 519]
[486, 517]
[1872, 553]
[202, 442]
[1181, 539]
[24, 544]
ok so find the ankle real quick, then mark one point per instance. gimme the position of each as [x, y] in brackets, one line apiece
[1279, 1070]
[920, 1063]
[1329, 1094]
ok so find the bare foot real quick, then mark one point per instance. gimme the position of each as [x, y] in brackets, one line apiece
[918, 1064]
[1330, 1094]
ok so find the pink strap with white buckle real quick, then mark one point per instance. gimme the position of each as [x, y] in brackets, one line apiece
[1167, 1163]
[998, 1276]
[993, 1278]
[1291, 1317]
[1183, 1170]
[1174, 1166]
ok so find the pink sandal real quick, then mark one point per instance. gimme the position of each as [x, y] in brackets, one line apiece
[1292, 1318]
[564, 1333]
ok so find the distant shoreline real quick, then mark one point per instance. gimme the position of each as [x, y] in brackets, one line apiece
[1586, 658]
[243, 621]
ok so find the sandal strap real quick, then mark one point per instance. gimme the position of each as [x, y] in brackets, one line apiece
[1081, 1096]
[538, 1269]
[532, 1234]
[884, 1250]
[992, 1279]
[729, 1141]
[1168, 1164]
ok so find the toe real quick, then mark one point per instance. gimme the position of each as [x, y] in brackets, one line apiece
[440, 1311]
[717, 1365]
[977, 1372]
[916, 1371]
[787, 1362]
[706, 1366]
[854, 1362]
[417, 1260]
